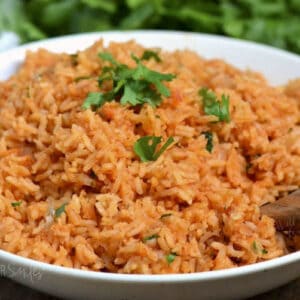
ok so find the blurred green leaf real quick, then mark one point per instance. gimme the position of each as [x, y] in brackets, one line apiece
[294, 5]
[29, 32]
[233, 27]
[55, 14]
[269, 8]
[133, 4]
[229, 10]
[13, 18]
[108, 6]
[138, 18]
[275, 22]
[85, 21]
[261, 30]
[200, 20]
[10, 11]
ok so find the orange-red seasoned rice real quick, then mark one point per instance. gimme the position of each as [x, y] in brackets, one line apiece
[53, 152]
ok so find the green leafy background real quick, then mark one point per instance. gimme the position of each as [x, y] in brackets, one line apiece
[274, 22]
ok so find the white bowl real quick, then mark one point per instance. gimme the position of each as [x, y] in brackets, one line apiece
[8, 40]
[279, 67]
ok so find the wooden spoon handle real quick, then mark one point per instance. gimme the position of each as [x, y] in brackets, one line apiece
[285, 212]
[290, 224]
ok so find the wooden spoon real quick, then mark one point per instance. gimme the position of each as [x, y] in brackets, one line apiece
[285, 212]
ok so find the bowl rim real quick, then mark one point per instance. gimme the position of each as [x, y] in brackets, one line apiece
[265, 266]
[13, 259]
[142, 32]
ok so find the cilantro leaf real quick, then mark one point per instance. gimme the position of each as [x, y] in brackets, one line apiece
[151, 237]
[258, 249]
[106, 56]
[93, 100]
[209, 137]
[171, 257]
[60, 210]
[148, 54]
[145, 147]
[15, 204]
[224, 109]
[254, 247]
[165, 216]
[150, 76]
[97, 99]
[137, 92]
[131, 94]
[135, 86]
[214, 107]
[79, 78]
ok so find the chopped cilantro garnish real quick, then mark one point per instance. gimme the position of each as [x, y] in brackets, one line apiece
[95, 100]
[135, 86]
[79, 78]
[150, 237]
[209, 143]
[171, 257]
[214, 107]
[258, 249]
[254, 247]
[148, 54]
[248, 166]
[145, 147]
[106, 56]
[165, 216]
[15, 204]
[60, 210]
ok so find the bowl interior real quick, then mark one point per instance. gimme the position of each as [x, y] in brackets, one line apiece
[278, 66]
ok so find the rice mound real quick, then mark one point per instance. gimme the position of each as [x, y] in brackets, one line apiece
[203, 208]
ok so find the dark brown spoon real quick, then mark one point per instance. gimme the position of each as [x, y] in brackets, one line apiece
[285, 212]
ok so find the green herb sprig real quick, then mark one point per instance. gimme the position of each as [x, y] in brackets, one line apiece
[209, 140]
[135, 86]
[145, 147]
[212, 106]
[258, 249]
[171, 257]
[60, 210]
[148, 54]
[150, 237]
[163, 216]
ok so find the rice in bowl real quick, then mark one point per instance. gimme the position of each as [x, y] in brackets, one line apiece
[75, 193]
